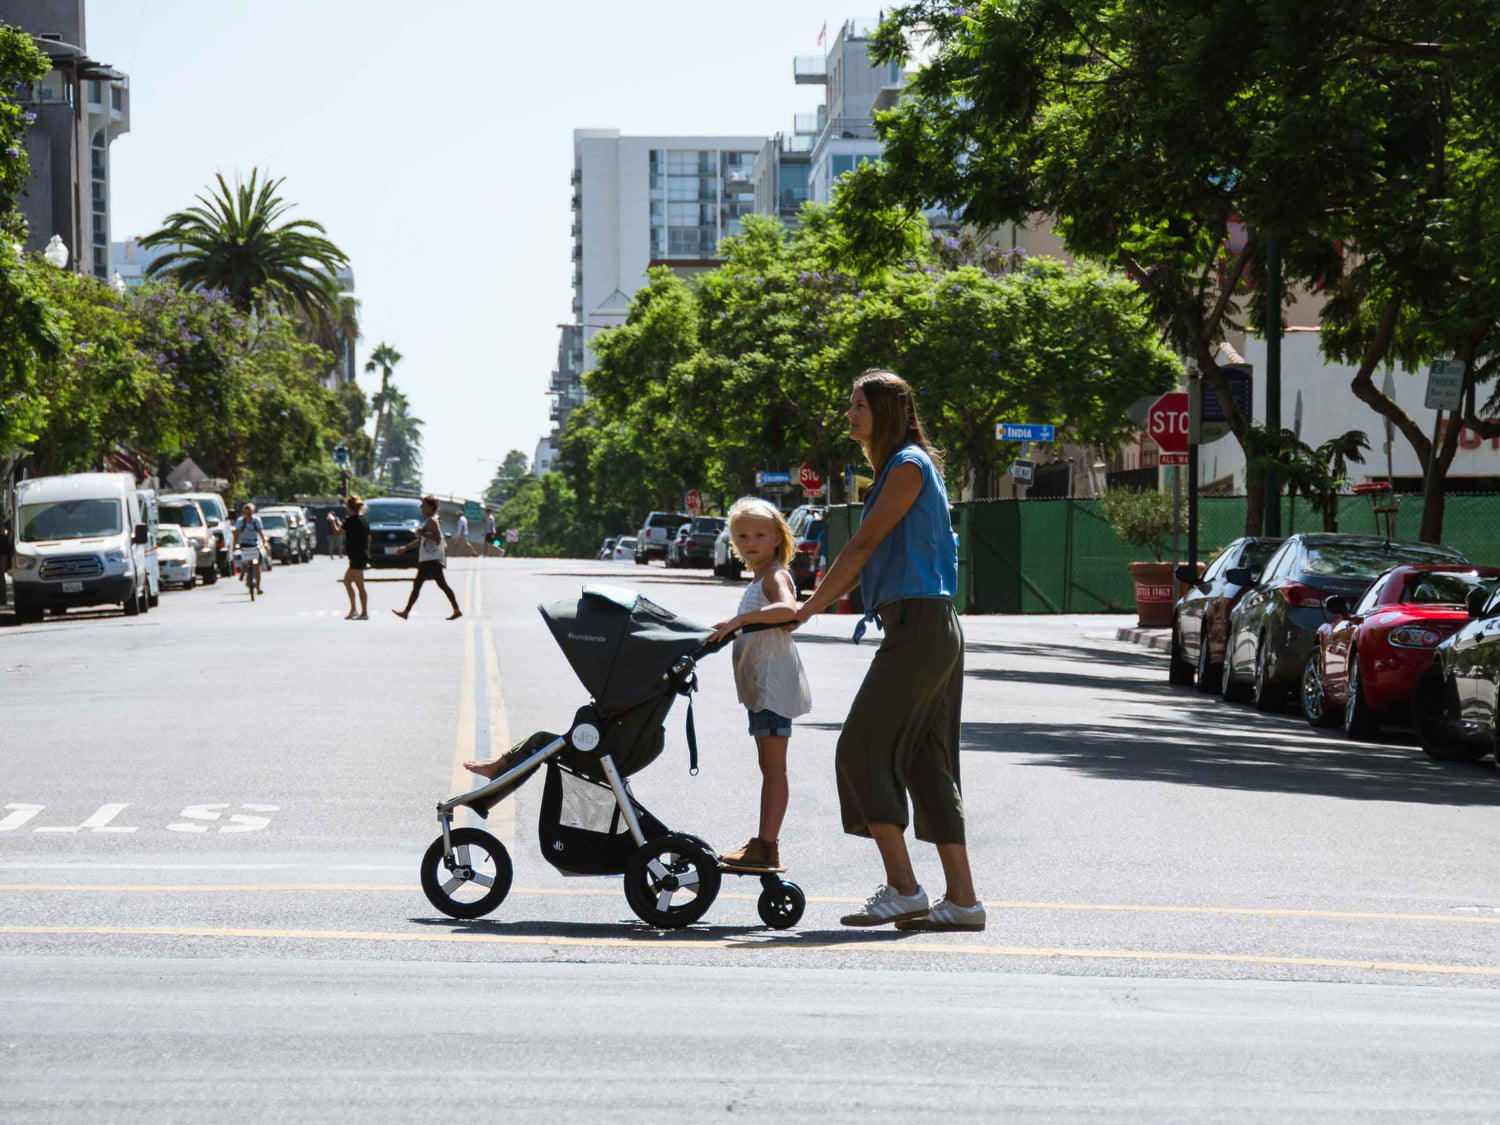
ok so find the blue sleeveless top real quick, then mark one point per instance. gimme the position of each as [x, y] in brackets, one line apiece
[919, 558]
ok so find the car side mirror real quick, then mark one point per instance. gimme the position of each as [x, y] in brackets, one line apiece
[1185, 574]
[1337, 604]
[1475, 601]
[1240, 576]
[140, 536]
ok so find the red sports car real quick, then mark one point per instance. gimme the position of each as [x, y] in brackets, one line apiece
[1368, 659]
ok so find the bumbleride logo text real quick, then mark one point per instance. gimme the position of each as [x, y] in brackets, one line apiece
[585, 637]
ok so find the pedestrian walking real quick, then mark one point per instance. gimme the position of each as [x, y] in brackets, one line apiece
[902, 735]
[461, 535]
[336, 532]
[431, 559]
[7, 551]
[489, 531]
[354, 529]
[768, 672]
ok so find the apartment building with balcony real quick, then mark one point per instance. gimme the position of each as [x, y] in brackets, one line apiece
[82, 106]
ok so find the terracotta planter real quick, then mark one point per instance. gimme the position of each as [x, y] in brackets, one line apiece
[1153, 592]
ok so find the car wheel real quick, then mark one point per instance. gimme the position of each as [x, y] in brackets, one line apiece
[132, 605]
[153, 600]
[1230, 688]
[1264, 694]
[1315, 707]
[1208, 672]
[1179, 670]
[192, 582]
[1359, 720]
[1429, 721]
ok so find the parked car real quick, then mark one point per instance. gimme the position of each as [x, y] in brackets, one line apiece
[300, 536]
[659, 528]
[394, 522]
[1368, 661]
[1274, 628]
[1455, 707]
[624, 550]
[188, 515]
[176, 558]
[211, 504]
[727, 564]
[1200, 618]
[807, 558]
[694, 544]
[606, 552]
[84, 539]
[279, 534]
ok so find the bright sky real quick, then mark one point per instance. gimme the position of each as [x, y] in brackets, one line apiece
[434, 141]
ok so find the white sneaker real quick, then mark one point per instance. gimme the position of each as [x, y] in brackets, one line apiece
[945, 916]
[885, 905]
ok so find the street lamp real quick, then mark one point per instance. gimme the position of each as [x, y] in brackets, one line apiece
[56, 252]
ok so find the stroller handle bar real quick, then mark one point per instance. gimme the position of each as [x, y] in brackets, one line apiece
[711, 647]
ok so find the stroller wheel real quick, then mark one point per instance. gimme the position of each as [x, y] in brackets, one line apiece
[671, 882]
[781, 905]
[476, 882]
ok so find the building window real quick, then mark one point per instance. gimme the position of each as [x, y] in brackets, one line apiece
[96, 92]
[116, 97]
[101, 263]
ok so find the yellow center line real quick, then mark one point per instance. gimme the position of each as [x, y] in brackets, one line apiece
[789, 943]
[503, 815]
[837, 900]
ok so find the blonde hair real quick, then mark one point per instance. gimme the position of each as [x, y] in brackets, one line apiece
[754, 508]
[354, 504]
[893, 419]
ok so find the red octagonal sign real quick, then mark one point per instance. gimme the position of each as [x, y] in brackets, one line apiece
[1167, 422]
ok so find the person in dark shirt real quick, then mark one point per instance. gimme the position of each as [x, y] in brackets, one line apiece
[6, 550]
[356, 532]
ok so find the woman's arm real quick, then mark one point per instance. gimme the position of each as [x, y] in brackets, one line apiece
[902, 487]
[782, 609]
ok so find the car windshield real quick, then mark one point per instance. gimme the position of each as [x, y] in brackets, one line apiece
[170, 537]
[408, 512]
[1256, 555]
[705, 524]
[183, 515]
[213, 506]
[667, 519]
[814, 530]
[1443, 587]
[69, 519]
[625, 543]
[1366, 560]
[270, 522]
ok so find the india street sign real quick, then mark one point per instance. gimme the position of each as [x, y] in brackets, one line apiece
[1025, 431]
[1445, 384]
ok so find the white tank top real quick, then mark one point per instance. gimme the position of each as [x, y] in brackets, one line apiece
[433, 550]
[767, 670]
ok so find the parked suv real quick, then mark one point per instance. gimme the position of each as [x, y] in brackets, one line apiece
[394, 522]
[659, 528]
[214, 510]
[197, 529]
[694, 544]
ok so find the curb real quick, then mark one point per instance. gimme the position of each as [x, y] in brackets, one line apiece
[1159, 640]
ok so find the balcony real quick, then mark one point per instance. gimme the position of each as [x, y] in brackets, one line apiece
[843, 129]
[577, 177]
[578, 306]
[577, 253]
[739, 183]
[577, 228]
[577, 202]
[802, 143]
[807, 124]
[810, 70]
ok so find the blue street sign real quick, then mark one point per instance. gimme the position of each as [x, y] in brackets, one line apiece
[848, 481]
[1025, 431]
[1241, 383]
[773, 478]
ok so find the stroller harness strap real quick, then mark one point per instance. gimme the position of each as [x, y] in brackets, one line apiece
[688, 687]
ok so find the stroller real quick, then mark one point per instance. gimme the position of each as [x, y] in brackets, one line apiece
[635, 658]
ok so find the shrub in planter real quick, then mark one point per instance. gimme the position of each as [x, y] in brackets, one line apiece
[1144, 519]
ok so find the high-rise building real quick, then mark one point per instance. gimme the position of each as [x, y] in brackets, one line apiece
[81, 107]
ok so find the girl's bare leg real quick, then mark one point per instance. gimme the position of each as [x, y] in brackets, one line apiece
[774, 791]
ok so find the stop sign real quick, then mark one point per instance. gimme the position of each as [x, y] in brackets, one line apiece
[809, 478]
[1167, 422]
[694, 501]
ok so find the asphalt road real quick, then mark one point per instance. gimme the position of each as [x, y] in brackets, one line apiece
[211, 818]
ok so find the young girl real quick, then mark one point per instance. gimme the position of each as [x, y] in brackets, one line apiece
[767, 669]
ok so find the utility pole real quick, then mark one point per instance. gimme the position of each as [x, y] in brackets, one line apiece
[1273, 376]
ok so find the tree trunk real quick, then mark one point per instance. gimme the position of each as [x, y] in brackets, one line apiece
[1255, 507]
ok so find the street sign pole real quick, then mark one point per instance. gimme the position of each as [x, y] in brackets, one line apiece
[1273, 376]
[1195, 431]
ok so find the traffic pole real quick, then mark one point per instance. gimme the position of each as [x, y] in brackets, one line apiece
[1273, 377]
[1195, 432]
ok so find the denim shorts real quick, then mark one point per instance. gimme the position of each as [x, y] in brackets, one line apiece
[768, 724]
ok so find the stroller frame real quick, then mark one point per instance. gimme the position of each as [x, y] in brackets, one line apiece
[659, 868]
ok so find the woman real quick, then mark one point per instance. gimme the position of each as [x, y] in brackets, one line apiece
[902, 733]
[355, 531]
[432, 556]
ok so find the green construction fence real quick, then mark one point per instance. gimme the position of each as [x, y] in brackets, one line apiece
[1060, 556]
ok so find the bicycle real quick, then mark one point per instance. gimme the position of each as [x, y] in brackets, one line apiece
[249, 562]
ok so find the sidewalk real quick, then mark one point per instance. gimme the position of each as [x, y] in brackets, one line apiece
[1158, 638]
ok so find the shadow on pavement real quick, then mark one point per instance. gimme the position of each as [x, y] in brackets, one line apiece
[635, 931]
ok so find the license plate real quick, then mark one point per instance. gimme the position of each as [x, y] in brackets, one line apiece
[393, 550]
[72, 587]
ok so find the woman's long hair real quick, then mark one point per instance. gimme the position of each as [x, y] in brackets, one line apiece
[893, 419]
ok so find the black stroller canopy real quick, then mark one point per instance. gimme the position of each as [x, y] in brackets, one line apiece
[620, 644]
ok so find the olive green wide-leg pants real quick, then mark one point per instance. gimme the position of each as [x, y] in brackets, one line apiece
[902, 733]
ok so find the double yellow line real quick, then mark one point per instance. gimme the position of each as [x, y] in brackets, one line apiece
[479, 644]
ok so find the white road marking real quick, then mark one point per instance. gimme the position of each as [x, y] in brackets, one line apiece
[18, 816]
[99, 821]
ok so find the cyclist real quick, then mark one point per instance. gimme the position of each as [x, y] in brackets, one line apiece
[250, 534]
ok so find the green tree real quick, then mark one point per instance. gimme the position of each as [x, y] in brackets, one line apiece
[235, 241]
[404, 447]
[508, 477]
[383, 359]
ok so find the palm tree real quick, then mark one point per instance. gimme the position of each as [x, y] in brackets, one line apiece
[383, 359]
[336, 337]
[405, 442]
[232, 242]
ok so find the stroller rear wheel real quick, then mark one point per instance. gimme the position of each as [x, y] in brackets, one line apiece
[475, 882]
[781, 903]
[671, 882]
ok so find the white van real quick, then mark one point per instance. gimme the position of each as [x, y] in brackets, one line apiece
[84, 539]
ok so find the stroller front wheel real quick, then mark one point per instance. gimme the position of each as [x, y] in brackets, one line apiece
[474, 882]
[671, 882]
